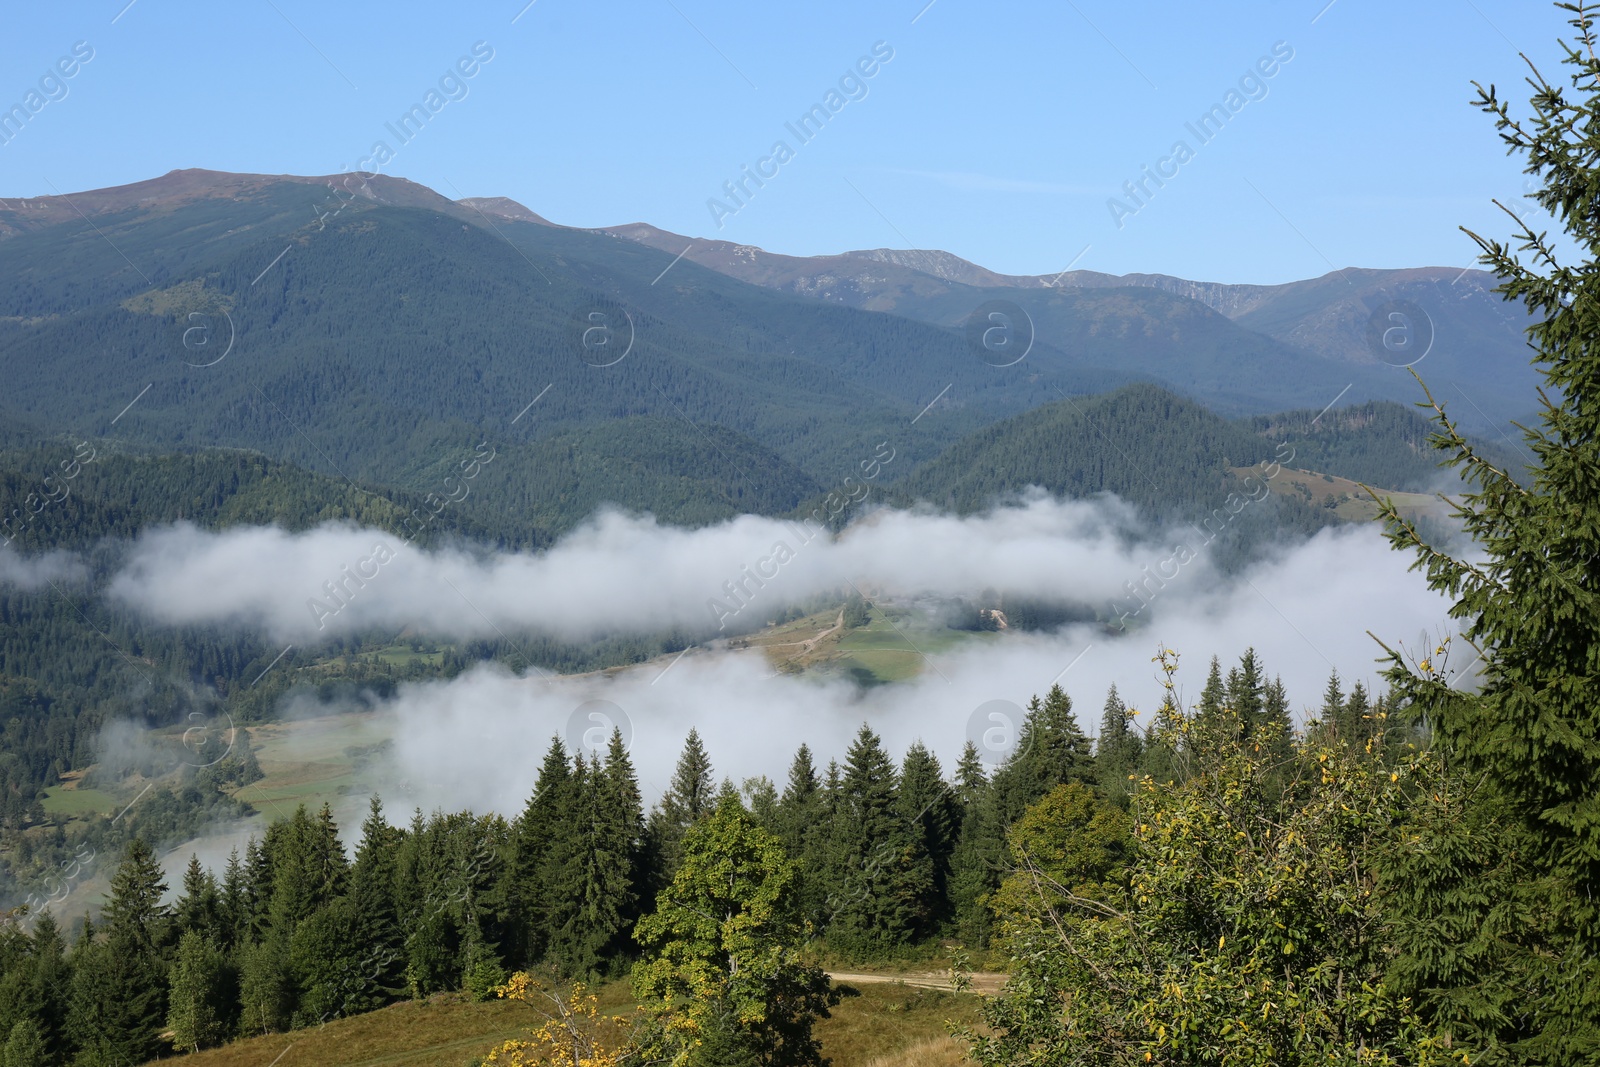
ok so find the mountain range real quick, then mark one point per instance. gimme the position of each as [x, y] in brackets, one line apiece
[376, 330]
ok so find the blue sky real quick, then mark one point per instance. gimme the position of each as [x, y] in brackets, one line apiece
[998, 131]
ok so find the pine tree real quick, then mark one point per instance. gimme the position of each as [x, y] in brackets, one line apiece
[761, 799]
[533, 834]
[308, 868]
[232, 903]
[1332, 701]
[379, 976]
[975, 860]
[1213, 696]
[971, 778]
[118, 1008]
[257, 902]
[690, 797]
[1247, 691]
[135, 914]
[1118, 750]
[1498, 920]
[801, 824]
[928, 805]
[882, 874]
[621, 841]
[1355, 718]
[199, 908]
[52, 985]
[1051, 750]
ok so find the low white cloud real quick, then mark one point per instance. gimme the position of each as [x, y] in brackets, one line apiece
[620, 572]
[35, 572]
[477, 740]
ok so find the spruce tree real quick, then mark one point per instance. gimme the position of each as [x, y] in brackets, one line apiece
[535, 831]
[1355, 718]
[971, 778]
[1052, 750]
[975, 860]
[620, 841]
[1213, 696]
[690, 796]
[761, 798]
[883, 874]
[1332, 701]
[118, 1005]
[379, 975]
[1117, 750]
[199, 907]
[1498, 916]
[1246, 692]
[52, 984]
[232, 902]
[801, 825]
[135, 914]
[928, 805]
[257, 902]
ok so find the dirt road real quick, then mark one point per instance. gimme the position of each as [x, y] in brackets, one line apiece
[982, 983]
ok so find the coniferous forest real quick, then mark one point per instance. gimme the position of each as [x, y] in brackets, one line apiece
[883, 856]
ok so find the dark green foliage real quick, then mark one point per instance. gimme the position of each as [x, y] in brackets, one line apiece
[118, 1003]
[1495, 907]
[975, 861]
[928, 805]
[135, 915]
[536, 830]
[1051, 750]
[689, 797]
[855, 611]
[199, 909]
[25, 1046]
[882, 875]
[1118, 750]
[372, 894]
[1379, 443]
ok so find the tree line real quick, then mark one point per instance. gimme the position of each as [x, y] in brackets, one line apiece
[891, 857]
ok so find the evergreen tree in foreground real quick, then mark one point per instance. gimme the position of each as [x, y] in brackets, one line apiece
[689, 797]
[1117, 750]
[1499, 916]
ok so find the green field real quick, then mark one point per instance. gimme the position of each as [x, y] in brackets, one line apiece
[892, 647]
[71, 802]
[315, 761]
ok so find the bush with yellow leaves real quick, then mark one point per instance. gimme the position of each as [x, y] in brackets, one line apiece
[574, 1032]
[1241, 922]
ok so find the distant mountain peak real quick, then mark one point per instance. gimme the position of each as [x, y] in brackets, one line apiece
[504, 207]
[944, 265]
